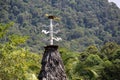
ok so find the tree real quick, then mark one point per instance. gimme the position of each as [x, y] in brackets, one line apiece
[16, 62]
[4, 28]
[93, 60]
[70, 60]
[108, 49]
[81, 66]
[111, 72]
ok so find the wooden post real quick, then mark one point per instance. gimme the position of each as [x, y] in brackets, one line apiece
[52, 65]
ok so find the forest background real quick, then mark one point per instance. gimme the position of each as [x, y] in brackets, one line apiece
[90, 30]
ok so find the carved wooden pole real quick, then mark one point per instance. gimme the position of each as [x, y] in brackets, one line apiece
[52, 65]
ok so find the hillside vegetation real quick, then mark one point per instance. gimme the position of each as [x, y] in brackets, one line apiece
[18, 63]
[83, 22]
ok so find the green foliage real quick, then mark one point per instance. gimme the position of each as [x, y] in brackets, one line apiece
[93, 60]
[92, 50]
[83, 23]
[17, 63]
[4, 28]
[90, 65]
[111, 72]
[109, 50]
[17, 39]
[116, 54]
[70, 60]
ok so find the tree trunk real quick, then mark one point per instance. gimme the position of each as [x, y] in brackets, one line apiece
[52, 65]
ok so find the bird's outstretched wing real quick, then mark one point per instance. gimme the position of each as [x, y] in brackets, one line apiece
[44, 31]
